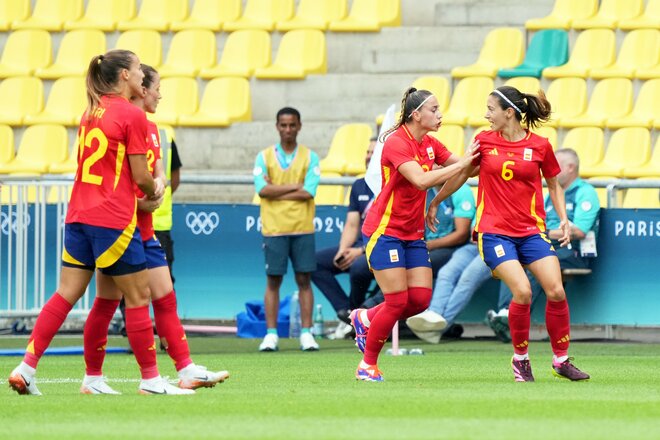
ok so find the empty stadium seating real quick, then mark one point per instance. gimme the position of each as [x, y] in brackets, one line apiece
[645, 111]
[156, 15]
[40, 146]
[452, 137]
[610, 13]
[103, 15]
[640, 50]
[330, 194]
[649, 19]
[26, 95]
[611, 98]
[642, 198]
[179, 97]
[225, 100]
[563, 14]
[502, 48]
[348, 138]
[649, 169]
[69, 166]
[66, 103]
[568, 97]
[301, 52]
[146, 44]
[6, 144]
[548, 48]
[549, 133]
[209, 14]
[24, 52]
[468, 102]
[628, 148]
[588, 143]
[244, 52]
[594, 48]
[190, 51]
[526, 84]
[50, 15]
[369, 16]
[438, 85]
[76, 49]
[315, 14]
[13, 10]
[262, 14]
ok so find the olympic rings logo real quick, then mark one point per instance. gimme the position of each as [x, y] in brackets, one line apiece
[202, 222]
[5, 221]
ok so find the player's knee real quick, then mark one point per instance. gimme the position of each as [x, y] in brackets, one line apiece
[556, 293]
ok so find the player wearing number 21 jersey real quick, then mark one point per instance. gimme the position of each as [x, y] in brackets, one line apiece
[103, 193]
[510, 197]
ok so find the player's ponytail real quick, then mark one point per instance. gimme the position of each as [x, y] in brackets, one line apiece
[531, 110]
[103, 75]
[412, 100]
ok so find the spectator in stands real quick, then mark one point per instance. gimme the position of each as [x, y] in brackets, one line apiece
[348, 256]
[510, 224]
[582, 209]
[100, 222]
[286, 176]
[163, 298]
[394, 227]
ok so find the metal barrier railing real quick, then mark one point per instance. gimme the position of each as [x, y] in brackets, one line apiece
[32, 213]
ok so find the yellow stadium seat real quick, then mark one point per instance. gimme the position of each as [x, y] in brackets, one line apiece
[479, 130]
[50, 15]
[66, 103]
[179, 97]
[209, 14]
[347, 138]
[610, 13]
[225, 100]
[301, 52]
[146, 44]
[315, 14]
[24, 52]
[468, 102]
[452, 137]
[369, 16]
[594, 48]
[563, 13]
[356, 151]
[6, 144]
[588, 143]
[550, 133]
[262, 14]
[640, 50]
[642, 198]
[156, 15]
[76, 50]
[611, 98]
[330, 194]
[645, 111]
[40, 146]
[602, 193]
[628, 148]
[189, 52]
[13, 10]
[568, 98]
[244, 52]
[649, 169]
[69, 166]
[650, 18]
[25, 93]
[103, 15]
[502, 48]
[526, 84]
[438, 85]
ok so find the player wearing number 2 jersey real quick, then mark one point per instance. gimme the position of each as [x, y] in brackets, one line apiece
[510, 220]
[100, 228]
[170, 331]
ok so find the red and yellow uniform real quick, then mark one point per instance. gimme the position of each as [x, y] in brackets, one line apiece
[398, 211]
[145, 220]
[103, 193]
[510, 198]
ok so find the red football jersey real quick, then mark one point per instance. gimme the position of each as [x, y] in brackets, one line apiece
[398, 211]
[510, 198]
[103, 193]
[145, 220]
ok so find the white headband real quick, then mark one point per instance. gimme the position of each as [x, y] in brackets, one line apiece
[420, 105]
[507, 100]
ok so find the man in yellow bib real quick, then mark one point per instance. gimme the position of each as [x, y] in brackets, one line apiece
[286, 176]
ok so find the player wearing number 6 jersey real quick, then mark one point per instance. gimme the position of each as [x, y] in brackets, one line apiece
[100, 228]
[510, 220]
[168, 325]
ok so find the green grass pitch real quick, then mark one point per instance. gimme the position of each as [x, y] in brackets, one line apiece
[457, 390]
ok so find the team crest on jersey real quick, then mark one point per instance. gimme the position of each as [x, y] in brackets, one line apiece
[527, 154]
[154, 138]
[430, 153]
[394, 256]
[510, 154]
[493, 152]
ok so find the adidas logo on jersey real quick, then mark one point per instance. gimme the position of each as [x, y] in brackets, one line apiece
[493, 152]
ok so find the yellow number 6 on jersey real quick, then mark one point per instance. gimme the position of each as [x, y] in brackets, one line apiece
[507, 174]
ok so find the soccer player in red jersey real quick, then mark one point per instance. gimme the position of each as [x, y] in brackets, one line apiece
[100, 228]
[510, 220]
[108, 295]
[411, 163]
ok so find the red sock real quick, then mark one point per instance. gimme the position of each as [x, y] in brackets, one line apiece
[372, 312]
[141, 337]
[49, 321]
[419, 299]
[171, 331]
[558, 323]
[519, 326]
[96, 334]
[381, 326]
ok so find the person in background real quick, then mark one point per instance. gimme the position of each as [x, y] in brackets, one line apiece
[582, 210]
[286, 176]
[348, 256]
